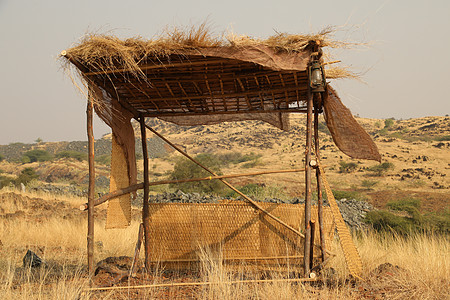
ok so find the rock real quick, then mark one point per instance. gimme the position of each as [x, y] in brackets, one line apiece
[31, 260]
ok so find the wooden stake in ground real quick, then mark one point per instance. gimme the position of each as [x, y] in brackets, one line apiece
[137, 250]
[145, 208]
[317, 106]
[308, 182]
[91, 187]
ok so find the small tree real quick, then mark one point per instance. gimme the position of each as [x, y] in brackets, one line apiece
[347, 167]
[26, 176]
[36, 155]
[388, 123]
[80, 156]
[379, 170]
[186, 169]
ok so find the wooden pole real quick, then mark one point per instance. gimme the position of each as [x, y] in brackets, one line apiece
[145, 208]
[137, 250]
[91, 187]
[308, 182]
[317, 106]
[311, 249]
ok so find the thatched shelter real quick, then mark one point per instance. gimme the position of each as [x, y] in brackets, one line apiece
[191, 78]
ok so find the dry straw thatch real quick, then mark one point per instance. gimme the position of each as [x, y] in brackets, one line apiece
[99, 52]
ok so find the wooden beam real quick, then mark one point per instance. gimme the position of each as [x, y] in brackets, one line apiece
[91, 187]
[312, 224]
[162, 114]
[308, 182]
[317, 107]
[162, 66]
[137, 250]
[145, 208]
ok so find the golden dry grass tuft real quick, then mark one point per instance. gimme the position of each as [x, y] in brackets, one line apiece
[419, 266]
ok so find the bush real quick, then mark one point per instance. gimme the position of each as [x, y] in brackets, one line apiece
[414, 221]
[104, 159]
[443, 138]
[260, 192]
[236, 158]
[347, 167]
[80, 156]
[2, 157]
[382, 220]
[323, 128]
[186, 169]
[368, 184]
[388, 123]
[36, 155]
[26, 176]
[380, 169]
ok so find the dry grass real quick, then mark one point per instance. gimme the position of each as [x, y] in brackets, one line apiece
[423, 268]
[107, 52]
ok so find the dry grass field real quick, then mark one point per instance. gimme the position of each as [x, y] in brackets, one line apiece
[56, 230]
[417, 267]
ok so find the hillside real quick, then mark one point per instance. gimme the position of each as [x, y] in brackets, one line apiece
[417, 151]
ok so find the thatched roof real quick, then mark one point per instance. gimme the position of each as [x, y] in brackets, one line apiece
[191, 77]
[196, 73]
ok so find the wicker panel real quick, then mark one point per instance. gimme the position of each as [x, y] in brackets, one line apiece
[238, 231]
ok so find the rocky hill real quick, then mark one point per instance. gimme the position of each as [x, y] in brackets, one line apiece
[415, 152]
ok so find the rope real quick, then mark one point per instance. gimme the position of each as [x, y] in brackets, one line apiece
[351, 254]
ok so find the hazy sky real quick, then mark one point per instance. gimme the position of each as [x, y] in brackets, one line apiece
[408, 66]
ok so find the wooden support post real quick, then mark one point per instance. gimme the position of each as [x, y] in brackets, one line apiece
[312, 224]
[145, 208]
[91, 187]
[137, 250]
[308, 182]
[317, 107]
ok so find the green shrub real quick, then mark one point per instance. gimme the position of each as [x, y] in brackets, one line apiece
[347, 167]
[380, 169]
[80, 156]
[104, 159]
[443, 138]
[252, 164]
[413, 221]
[388, 123]
[368, 184]
[36, 155]
[26, 176]
[323, 128]
[186, 169]
[236, 158]
[382, 220]
[404, 204]
[260, 192]
[25, 160]
[2, 157]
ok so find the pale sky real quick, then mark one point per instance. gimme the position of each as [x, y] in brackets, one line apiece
[406, 68]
